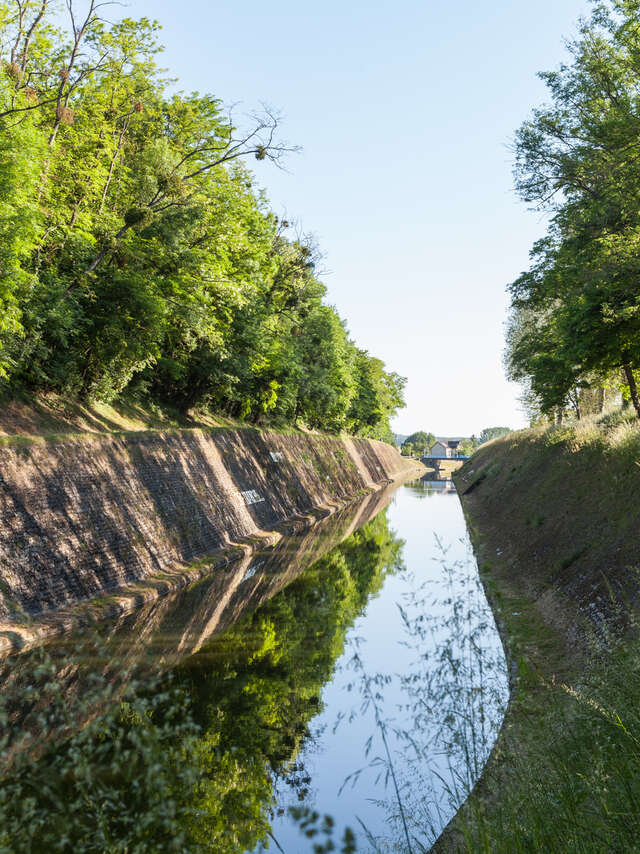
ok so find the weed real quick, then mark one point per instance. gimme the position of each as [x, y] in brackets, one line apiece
[559, 435]
[574, 785]
[572, 558]
[452, 705]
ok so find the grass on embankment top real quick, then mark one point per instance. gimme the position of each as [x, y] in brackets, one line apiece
[57, 415]
[554, 514]
[51, 418]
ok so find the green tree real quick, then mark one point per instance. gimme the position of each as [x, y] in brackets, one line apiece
[421, 441]
[138, 257]
[572, 158]
[490, 433]
[378, 396]
[468, 446]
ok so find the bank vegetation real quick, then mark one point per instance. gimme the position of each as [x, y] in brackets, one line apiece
[553, 513]
[573, 338]
[139, 258]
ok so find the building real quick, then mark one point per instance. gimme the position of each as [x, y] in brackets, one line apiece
[444, 448]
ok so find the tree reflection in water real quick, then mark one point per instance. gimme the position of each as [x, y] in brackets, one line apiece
[194, 756]
[426, 719]
[186, 761]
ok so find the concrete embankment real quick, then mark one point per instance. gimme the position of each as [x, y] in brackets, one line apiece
[108, 514]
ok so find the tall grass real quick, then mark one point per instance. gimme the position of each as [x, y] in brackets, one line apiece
[569, 783]
[568, 779]
[573, 783]
[430, 730]
[617, 430]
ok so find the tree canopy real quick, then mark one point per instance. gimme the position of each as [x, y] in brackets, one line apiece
[419, 441]
[139, 257]
[490, 433]
[575, 314]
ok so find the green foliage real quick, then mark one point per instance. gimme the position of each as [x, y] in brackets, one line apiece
[138, 257]
[255, 689]
[421, 441]
[378, 395]
[576, 313]
[468, 446]
[121, 784]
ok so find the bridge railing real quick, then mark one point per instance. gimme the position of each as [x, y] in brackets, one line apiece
[452, 457]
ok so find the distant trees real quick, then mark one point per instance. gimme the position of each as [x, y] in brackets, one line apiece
[418, 442]
[575, 314]
[490, 433]
[137, 255]
[468, 446]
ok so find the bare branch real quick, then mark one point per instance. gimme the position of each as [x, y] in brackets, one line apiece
[29, 34]
[64, 90]
[259, 141]
[30, 107]
[20, 26]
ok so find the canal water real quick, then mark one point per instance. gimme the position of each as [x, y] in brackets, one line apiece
[417, 697]
[343, 688]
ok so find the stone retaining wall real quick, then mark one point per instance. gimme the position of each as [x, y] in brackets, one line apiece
[81, 518]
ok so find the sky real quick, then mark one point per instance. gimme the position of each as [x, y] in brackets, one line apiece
[405, 113]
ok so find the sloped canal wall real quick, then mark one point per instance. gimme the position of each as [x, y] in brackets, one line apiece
[82, 518]
[164, 631]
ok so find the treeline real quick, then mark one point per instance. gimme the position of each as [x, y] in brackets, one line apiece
[417, 443]
[421, 442]
[137, 255]
[574, 332]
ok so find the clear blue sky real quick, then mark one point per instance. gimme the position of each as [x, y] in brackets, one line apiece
[405, 111]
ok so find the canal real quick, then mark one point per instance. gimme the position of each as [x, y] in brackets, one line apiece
[343, 688]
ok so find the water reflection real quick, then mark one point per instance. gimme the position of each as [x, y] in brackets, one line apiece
[433, 483]
[101, 662]
[163, 732]
[417, 700]
[343, 688]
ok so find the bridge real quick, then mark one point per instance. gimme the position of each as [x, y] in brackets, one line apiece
[429, 459]
[444, 464]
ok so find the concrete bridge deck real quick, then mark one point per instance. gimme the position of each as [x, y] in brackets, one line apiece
[430, 459]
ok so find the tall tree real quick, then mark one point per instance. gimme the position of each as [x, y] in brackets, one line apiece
[576, 158]
[137, 254]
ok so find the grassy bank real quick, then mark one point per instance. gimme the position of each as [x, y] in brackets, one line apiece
[49, 418]
[45, 415]
[554, 516]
